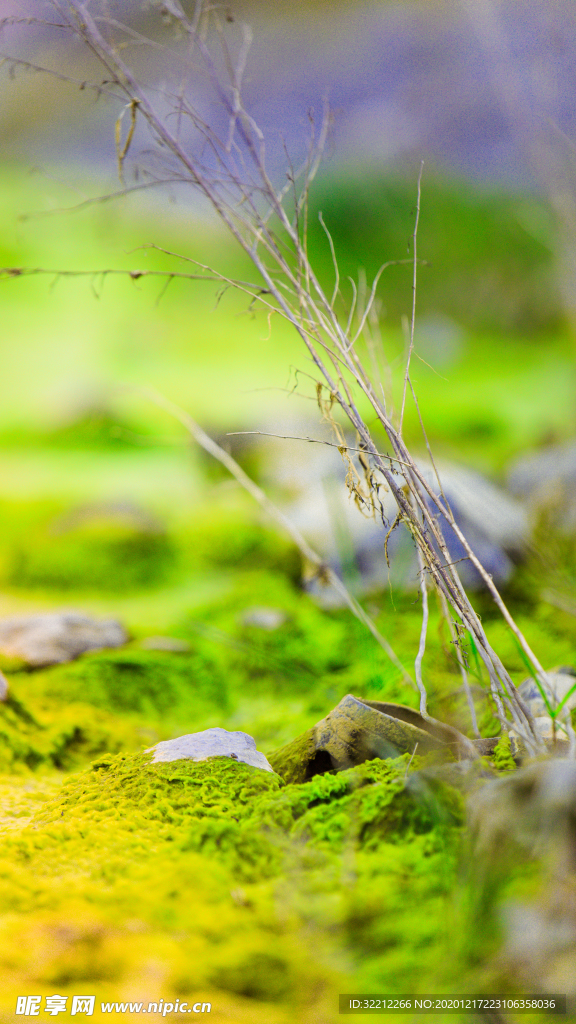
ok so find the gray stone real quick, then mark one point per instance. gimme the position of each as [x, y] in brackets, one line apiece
[547, 480]
[534, 807]
[39, 640]
[495, 524]
[4, 689]
[199, 746]
[559, 682]
[264, 618]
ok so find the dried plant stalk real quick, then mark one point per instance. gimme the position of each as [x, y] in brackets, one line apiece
[229, 168]
[323, 571]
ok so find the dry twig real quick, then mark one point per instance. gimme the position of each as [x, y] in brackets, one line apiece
[229, 168]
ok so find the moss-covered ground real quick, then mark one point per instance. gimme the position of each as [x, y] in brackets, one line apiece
[215, 881]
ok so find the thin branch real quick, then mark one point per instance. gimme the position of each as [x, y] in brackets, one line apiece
[232, 174]
[423, 632]
[413, 317]
[324, 571]
[312, 440]
[7, 273]
[93, 201]
[334, 260]
[26, 65]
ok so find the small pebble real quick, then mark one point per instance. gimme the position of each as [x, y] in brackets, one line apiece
[264, 618]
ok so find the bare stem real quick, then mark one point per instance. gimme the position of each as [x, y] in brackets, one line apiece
[323, 571]
[413, 317]
[231, 172]
[423, 633]
[460, 659]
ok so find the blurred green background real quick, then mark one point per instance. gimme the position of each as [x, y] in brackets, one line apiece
[496, 375]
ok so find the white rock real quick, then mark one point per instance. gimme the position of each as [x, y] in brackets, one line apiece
[199, 746]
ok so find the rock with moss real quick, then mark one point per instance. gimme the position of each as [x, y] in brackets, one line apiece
[356, 731]
[203, 801]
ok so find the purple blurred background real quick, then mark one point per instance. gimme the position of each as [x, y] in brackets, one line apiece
[479, 87]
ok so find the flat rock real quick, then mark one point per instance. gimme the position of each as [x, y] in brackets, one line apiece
[199, 746]
[40, 640]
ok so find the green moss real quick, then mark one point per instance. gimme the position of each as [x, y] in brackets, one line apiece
[373, 802]
[502, 758]
[468, 236]
[165, 792]
[227, 878]
[222, 540]
[96, 428]
[228, 809]
[102, 556]
[151, 684]
[242, 816]
[40, 735]
[292, 760]
[310, 645]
